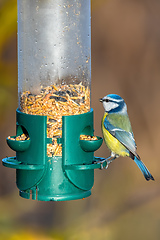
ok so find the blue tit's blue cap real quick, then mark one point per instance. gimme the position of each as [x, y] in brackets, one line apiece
[114, 96]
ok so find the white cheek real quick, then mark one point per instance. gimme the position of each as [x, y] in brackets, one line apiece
[109, 106]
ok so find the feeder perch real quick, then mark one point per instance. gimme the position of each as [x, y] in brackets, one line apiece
[53, 162]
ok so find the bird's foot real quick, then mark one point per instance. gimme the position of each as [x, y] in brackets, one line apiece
[107, 160]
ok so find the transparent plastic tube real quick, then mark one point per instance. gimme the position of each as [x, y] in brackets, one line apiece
[54, 45]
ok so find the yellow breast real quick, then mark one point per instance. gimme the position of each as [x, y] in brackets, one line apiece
[112, 143]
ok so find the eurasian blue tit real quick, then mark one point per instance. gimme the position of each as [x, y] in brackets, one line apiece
[117, 132]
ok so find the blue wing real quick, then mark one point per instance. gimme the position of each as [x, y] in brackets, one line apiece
[124, 137]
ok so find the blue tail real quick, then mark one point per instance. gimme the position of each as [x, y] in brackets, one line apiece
[143, 169]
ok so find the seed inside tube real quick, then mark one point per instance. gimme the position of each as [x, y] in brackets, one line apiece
[54, 102]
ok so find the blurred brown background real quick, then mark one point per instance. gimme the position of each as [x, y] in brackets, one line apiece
[126, 61]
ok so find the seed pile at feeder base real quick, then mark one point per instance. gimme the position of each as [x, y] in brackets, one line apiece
[54, 102]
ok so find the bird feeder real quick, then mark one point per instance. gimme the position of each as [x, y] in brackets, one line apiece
[54, 140]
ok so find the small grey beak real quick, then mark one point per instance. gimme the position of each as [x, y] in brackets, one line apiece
[101, 99]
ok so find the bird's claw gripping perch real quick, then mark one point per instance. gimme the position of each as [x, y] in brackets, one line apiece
[102, 165]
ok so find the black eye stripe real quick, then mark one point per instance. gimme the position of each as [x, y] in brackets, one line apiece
[105, 100]
[109, 100]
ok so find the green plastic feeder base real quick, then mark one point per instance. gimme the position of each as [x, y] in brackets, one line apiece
[58, 178]
[56, 197]
[55, 185]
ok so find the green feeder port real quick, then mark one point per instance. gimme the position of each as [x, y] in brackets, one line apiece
[53, 162]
